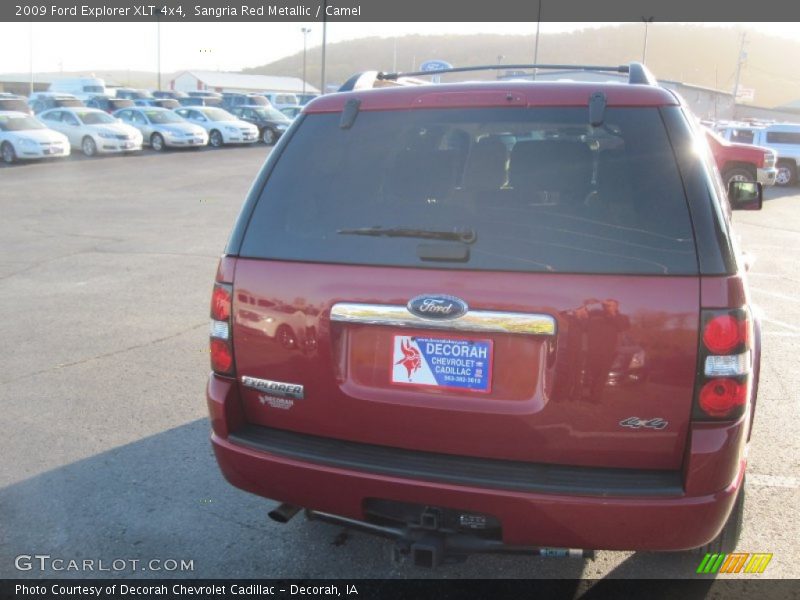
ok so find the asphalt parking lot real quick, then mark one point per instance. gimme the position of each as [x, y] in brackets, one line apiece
[106, 268]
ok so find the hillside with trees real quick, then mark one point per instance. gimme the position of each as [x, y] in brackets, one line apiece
[690, 53]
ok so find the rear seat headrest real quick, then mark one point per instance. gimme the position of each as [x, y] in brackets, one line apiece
[486, 166]
[550, 165]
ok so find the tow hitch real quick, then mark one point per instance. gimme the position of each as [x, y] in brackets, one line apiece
[438, 536]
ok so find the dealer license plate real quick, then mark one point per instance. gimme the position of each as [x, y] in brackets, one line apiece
[442, 362]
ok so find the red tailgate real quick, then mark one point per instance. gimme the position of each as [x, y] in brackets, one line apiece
[611, 386]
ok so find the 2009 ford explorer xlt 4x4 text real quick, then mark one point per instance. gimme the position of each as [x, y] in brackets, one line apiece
[487, 317]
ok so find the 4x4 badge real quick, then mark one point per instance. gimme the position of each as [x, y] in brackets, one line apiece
[637, 423]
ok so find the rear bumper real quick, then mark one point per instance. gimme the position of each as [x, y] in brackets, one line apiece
[687, 519]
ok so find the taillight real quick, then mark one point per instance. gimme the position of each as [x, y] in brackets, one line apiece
[221, 356]
[724, 364]
[221, 302]
[719, 397]
[221, 344]
[723, 333]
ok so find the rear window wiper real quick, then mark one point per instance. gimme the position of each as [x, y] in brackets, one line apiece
[466, 236]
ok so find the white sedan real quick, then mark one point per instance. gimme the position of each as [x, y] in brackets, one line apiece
[23, 137]
[92, 130]
[161, 128]
[222, 126]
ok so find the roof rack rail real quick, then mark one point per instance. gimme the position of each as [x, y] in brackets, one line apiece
[367, 80]
[637, 74]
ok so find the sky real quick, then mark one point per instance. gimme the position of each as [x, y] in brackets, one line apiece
[222, 46]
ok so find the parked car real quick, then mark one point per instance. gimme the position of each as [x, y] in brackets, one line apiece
[222, 126]
[204, 94]
[460, 265]
[742, 162]
[12, 102]
[229, 100]
[132, 94]
[23, 137]
[169, 103]
[108, 104]
[191, 101]
[303, 99]
[271, 122]
[92, 130]
[782, 138]
[174, 94]
[82, 88]
[292, 111]
[162, 128]
[41, 101]
[200, 101]
[282, 99]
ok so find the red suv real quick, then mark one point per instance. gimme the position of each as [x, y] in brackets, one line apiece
[489, 317]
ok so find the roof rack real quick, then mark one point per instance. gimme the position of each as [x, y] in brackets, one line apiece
[637, 74]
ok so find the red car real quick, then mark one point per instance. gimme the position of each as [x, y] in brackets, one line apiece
[518, 320]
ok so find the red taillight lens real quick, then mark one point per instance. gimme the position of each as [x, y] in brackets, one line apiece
[221, 303]
[725, 362]
[719, 397]
[221, 356]
[724, 333]
[221, 344]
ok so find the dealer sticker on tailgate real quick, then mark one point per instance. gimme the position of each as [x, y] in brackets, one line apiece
[442, 362]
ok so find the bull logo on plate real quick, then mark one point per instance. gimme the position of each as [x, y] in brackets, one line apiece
[411, 360]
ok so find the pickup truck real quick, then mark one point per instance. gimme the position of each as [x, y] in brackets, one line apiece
[742, 162]
[782, 138]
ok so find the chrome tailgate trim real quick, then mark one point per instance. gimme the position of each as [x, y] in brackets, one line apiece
[482, 321]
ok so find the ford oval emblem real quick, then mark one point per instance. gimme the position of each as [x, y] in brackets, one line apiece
[437, 306]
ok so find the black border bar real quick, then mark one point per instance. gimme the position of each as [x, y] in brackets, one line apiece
[598, 11]
[416, 589]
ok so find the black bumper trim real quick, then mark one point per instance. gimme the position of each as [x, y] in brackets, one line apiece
[461, 470]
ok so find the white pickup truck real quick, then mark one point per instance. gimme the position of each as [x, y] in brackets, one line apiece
[783, 138]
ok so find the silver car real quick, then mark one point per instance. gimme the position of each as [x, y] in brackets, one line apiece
[92, 130]
[162, 128]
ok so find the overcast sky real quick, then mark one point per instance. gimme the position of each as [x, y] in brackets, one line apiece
[223, 46]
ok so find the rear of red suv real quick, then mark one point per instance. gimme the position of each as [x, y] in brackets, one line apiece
[489, 317]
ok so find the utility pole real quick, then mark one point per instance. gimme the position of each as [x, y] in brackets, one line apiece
[394, 56]
[158, 23]
[30, 51]
[741, 58]
[305, 31]
[536, 44]
[646, 21]
[324, 41]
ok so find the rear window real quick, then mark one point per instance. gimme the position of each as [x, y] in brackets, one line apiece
[511, 189]
[742, 136]
[13, 104]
